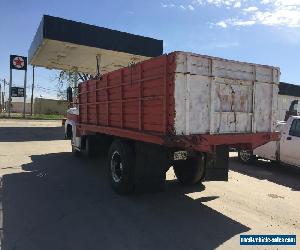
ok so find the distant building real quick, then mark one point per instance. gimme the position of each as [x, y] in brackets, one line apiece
[41, 106]
[50, 106]
[17, 107]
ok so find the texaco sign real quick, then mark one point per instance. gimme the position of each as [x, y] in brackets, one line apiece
[18, 62]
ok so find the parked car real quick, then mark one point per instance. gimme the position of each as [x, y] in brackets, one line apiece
[286, 151]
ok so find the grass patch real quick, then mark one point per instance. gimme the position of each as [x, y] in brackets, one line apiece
[48, 117]
[33, 117]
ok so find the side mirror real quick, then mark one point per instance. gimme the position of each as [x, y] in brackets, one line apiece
[69, 94]
[292, 110]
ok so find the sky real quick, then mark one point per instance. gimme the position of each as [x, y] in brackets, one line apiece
[256, 31]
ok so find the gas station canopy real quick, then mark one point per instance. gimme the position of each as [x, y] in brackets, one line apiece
[67, 45]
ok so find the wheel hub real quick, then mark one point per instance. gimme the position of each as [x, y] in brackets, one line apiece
[245, 155]
[116, 166]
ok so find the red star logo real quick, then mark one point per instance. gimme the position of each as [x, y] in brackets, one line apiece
[18, 61]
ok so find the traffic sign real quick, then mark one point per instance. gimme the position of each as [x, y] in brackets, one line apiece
[17, 92]
[18, 62]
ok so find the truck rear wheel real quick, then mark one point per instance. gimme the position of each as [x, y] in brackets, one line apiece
[121, 167]
[190, 171]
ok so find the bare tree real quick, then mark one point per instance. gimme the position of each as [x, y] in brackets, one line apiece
[67, 79]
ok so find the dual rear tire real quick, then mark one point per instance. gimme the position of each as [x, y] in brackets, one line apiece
[121, 167]
[190, 171]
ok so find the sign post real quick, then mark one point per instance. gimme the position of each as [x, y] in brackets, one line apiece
[25, 83]
[18, 63]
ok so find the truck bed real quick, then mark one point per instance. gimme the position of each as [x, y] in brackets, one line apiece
[183, 95]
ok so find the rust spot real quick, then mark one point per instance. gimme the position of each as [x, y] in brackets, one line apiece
[243, 100]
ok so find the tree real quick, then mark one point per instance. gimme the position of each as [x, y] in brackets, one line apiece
[67, 79]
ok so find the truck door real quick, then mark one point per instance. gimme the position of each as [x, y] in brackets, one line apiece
[289, 145]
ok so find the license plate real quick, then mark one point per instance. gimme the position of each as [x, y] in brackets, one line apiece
[180, 155]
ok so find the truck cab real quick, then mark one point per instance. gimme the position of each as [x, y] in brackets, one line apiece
[285, 151]
[70, 123]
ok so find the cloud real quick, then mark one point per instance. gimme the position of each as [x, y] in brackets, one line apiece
[237, 5]
[219, 3]
[182, 7]
[191, 7]
[199, 3]
[164, 5]
[276, 13]
[250, 9]
[222, 24]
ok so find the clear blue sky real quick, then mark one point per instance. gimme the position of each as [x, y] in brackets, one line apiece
[259, 31]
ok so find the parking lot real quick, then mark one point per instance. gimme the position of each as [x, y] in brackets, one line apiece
[53, 200]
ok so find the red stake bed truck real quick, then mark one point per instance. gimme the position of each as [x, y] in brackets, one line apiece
[180, 109]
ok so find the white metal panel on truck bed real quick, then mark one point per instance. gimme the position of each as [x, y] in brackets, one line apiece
[215, 96]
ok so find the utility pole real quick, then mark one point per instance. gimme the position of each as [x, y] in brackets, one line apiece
[25, 81]
[32, 87]
[4, 94]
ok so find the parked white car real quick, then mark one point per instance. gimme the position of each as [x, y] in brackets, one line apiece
[286, 151]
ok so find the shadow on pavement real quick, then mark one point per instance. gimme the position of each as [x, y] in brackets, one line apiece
[19, 134]
[64, 202]
[288, 176]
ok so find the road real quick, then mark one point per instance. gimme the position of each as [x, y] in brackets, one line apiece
[53, 200]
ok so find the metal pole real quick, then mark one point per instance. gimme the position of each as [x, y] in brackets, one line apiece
[25, 82]
[3, 99]
[32, 87]
[9, 94]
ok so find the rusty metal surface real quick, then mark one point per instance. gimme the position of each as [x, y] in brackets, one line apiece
[140, 102]
[217, 96]
[134, 98]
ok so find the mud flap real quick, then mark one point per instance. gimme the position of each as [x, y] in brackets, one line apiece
[151, 166]
[217, 164]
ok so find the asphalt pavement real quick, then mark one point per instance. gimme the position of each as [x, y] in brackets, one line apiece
[52, 200]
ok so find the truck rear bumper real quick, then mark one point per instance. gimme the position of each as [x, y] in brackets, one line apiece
[207, 143]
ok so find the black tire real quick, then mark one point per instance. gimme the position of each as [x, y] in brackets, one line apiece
[190, 171]
[89, 146]
[121, 167]
[69, 133]
[246, 156]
